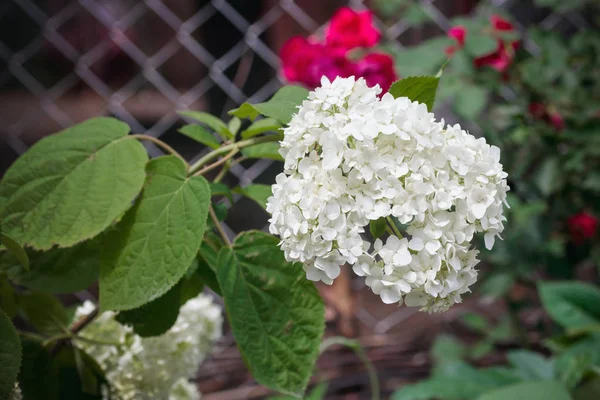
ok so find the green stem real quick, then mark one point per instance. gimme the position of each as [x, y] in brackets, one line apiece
[394, 228]
[217, 163]
[96, 341]
[162, 145]
[222, 172]
[227, 148]
[358, 350]
[218, 226]
[56, 338]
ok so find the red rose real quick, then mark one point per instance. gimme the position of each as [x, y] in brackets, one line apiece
[500, 24]
[377, 69]
[499, 60]
[305, 62]
[582, 226]
[349, 29]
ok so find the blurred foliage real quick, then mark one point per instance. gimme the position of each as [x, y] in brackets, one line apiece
[535, 94]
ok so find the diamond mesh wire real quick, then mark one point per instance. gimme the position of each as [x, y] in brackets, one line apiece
[141, 61]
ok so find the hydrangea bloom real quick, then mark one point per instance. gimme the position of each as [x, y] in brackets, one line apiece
[351, 158]
[154, 367]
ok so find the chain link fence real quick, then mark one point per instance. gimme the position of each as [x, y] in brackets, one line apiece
[63, 61]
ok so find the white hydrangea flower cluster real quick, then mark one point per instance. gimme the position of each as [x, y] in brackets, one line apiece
[154, 367]
[352, 158]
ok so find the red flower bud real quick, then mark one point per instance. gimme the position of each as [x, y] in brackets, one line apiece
[582, 226]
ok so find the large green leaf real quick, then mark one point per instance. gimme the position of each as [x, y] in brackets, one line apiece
[276, 314]
[571, 304]
[56, 270]
[156, 317]
[417, 88]
[38, 378]
[44, 312]
[71, 186]
[8, 300]
[257, 192]
[15, 249]
[158, 238]
[281, 106]
[546, 390]
[10, 356]
[531, 366]
[456, 381]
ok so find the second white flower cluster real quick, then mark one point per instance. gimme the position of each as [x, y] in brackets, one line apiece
[352, 158]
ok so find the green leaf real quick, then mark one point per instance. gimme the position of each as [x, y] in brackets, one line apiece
[79, 375]
[318, 393]
[200, 135]
[531, 366]
[57, 270]
[425, 58]
[16, 249]
[590, 390]
[470, 100]
[156, 241]
[220, 189]
[447, 348]
[276, 314]
[234, 125]
[257, 192]
[209, 120]
[571, 368]
[281, 106]
[571, 304]
[207, 274]
[261, 126]
[416, 88]
[378, 227]
[156, 317]
[38, 378]
[44, 312]
[268, 150]
[456, 381]
[8, 300]
[480, 44]
[547, 175]
[476, 322]
[72, 185]
[546, 390]
[191, 284]
[10, 356]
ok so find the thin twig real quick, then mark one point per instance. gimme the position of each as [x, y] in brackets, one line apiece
[162, 145]
[218, 226]
[358, 350]
[217, 163]
[227, 148]
[75, 329]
